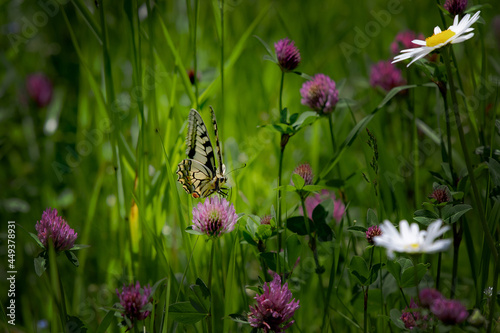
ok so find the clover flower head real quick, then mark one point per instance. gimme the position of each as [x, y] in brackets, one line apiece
[266, 219]
[133, 299]
[54, 229]
[39, 89]
[411, 317]
[372, 231]
[441, 194]
[449, 311]
[386, 75]
[455, 7]
[428, 296]
[274, 308]
[320, 94]
[304, 171]
[214, 217]
[288, 54]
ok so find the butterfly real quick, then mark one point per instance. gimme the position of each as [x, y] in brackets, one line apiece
[198, 173]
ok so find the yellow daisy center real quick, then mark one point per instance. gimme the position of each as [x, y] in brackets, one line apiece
[414, 245]
[439, 38]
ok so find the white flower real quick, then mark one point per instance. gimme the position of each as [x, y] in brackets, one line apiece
[454, 34]
[410, 239]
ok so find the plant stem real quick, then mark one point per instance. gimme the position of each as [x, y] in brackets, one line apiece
[64, 314]
[457, 239]
[330, 122]
[283, 141]
[470, 170]
[210, 317]
[438, 274]
[221, 4]
[195, 58]
[281, 91]
[443, 91]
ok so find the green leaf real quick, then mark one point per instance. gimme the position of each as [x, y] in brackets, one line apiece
[106, 321]
[185, 313]
[35, 237]
[452, 214]
[293, 118]
[324, 232]
[294, 247]
[298, 181]
[359, 269]
[79, 247]
[239, 318]
[270, 259]
[425, 216]
[305, 119]
[190, 230]
[75, 324]
[72, 258]
[371, 217]
[408, 276]
[357, 229]
[319, 214]
[297, 224]
[41, 263]
[267, 47]
[264, 231]
[284, 116]
[396, 319]
[248, 238]
[494, 169]
[394, 268]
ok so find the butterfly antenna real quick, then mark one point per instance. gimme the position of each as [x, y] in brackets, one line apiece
[241, 167]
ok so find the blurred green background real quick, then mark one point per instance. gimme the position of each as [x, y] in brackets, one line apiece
[93, 162]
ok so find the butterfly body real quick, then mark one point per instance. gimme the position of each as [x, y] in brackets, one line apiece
[198, 173]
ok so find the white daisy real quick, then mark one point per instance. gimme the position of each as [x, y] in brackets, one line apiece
[456, 33]
[410, 239]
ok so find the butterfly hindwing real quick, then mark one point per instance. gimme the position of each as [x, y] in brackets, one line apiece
[198, 174]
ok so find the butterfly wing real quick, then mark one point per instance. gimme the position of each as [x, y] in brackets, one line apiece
[196, 178]
[217, 144]
[198, 173]
[199, 147]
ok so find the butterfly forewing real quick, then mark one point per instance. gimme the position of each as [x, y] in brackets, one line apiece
[198, 173]
[198, 145]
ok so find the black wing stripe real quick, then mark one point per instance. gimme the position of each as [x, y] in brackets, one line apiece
[198, 143]
[217, 142]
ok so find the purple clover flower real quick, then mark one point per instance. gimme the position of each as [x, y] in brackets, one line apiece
[55, 229]
[39, 89]
[372, 231]
[273, 308]
[386, 75]
[133, 299]
[441, 194]
[266, 219]
[313, 201]
[320, 94]
[412, 317]
[428, 296]
[455, 7]
[304, 171]
[214, 217]
[288, 54]
[403, 41]
[449, 311]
